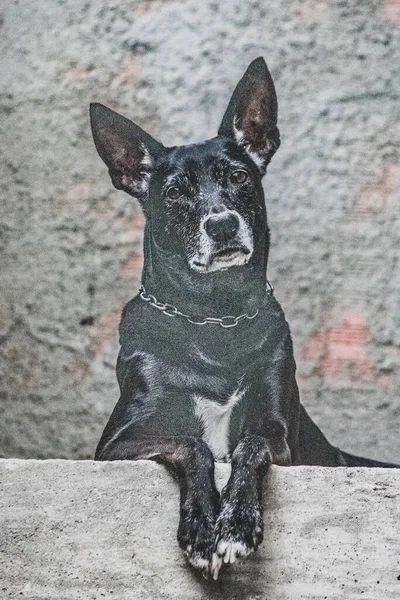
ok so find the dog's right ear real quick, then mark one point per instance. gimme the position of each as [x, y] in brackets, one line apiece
[128, 151]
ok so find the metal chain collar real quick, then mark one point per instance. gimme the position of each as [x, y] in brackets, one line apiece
[171, 311]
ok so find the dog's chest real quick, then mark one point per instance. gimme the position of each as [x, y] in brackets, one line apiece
[215, 421]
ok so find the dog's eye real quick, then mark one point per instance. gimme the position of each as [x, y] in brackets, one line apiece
[173, 192]
[239, 176]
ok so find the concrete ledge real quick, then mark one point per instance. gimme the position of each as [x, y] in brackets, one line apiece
[85, 530]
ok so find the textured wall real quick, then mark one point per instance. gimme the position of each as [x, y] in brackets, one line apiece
[71, 245]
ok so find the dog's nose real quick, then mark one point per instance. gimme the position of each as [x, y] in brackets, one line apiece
[222, 227]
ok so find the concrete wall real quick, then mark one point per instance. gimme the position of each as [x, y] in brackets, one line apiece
[71, 245]
[83, 530]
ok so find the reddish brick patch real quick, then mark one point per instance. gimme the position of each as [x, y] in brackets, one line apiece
[343, 353]
[147, 6]
[106, 328]
[128, 70]
[133, 264]
[79, 372]
[379, 194]
[136, 224]
[75, 72]
[392, 10]
[131, 231]
[81, 191]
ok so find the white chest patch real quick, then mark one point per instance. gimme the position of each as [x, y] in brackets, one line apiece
[215, 419]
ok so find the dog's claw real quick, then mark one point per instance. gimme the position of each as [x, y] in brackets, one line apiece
[207, 572]
[216, 564]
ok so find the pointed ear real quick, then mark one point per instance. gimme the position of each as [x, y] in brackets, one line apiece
[127, 150]
[251, 116]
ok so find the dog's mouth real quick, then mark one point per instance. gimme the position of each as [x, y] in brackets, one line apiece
[226, 253]
[222, 258]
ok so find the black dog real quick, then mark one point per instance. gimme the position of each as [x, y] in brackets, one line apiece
[217, 380]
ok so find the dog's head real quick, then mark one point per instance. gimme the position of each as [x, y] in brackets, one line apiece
[203, 200]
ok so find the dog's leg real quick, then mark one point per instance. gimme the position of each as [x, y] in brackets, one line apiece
[239, 528]
[192, 462]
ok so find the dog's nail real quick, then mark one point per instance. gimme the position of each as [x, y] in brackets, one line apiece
[215, 566]
[215, 561]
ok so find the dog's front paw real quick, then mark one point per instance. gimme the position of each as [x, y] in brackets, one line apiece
[196, 537]
[239, 531]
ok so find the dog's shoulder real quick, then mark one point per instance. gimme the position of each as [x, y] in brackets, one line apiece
[273, 338]
[272, 315]
[131, 323]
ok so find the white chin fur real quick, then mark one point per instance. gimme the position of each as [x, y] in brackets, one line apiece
[220, 263]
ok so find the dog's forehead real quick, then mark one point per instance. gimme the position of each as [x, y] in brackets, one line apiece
[213, 154]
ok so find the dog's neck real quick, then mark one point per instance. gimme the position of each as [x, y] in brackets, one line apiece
[235, 291]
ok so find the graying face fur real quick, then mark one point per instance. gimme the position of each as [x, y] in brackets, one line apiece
[207, 206]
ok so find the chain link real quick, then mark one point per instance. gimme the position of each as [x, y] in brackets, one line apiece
[171, 311]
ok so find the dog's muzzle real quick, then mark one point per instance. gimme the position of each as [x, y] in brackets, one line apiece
[225, 240]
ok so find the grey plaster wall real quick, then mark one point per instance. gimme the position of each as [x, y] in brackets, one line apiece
[71, 245]
[83, 530]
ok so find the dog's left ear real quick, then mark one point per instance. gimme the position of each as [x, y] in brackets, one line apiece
[128, 151]
[252, 113]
